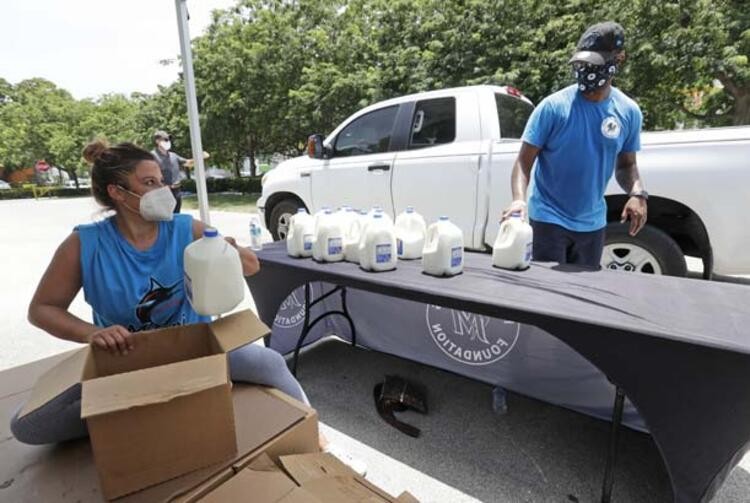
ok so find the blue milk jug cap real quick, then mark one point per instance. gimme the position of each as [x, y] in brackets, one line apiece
[377, 215]
[444, 218]
[410, 209]
[516, 214]
[210, 232]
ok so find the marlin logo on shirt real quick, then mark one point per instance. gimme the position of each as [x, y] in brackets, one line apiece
[157, 295]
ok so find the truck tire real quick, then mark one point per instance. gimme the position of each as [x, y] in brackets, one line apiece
[281, 215]
[651, 251]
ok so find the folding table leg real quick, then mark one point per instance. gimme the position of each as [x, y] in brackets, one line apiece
[345, 309]
[614, 434]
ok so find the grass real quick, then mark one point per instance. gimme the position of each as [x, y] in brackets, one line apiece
[224, 201]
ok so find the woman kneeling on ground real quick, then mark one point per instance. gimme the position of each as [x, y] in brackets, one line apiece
[130, 266]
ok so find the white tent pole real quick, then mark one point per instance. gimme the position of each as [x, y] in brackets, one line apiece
[192, 109]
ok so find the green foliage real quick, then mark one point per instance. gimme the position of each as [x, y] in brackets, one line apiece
[52, 192]
[246, 185]
[271, 72]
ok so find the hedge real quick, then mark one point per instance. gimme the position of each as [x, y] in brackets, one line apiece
[246, 185]
[53, 192]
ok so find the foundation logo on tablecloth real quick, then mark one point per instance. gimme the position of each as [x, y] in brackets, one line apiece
[471, 338]
[292, 310]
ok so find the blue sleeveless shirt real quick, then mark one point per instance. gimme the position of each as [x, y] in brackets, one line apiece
[140, 290]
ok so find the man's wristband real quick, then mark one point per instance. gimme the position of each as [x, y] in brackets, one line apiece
[640, 193]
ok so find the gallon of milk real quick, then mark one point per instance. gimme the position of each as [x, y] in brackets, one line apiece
[319, 215]
[299, 240]
[378, 209]
[443, 253]
[352, 237]
[512, 248]
[377, 251]
[329, 239]
[410, 233]
[346, 215]
[213, 275]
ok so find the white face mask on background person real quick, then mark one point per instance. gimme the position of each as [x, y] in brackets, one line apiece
[166, 145]
[155, 205]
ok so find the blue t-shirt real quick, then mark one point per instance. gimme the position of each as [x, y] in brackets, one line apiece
[140, 290]
[579, 141]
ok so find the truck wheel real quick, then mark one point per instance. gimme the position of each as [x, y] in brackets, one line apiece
[281, 216]
[651, 251]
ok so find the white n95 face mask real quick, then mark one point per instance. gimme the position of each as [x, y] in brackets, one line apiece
[156, 205]
[166, 145]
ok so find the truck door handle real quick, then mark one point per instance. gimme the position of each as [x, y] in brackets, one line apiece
[378, 167]
[304, 174]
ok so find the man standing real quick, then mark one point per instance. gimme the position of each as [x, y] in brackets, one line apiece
[170, 165]
[578, 137]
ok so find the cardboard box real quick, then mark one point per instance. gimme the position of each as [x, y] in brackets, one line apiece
[162, 411]
[309, 478]
[280, 425]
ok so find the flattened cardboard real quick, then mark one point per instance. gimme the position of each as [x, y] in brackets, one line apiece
[305, 468]
[59, 378]
[342, 490]
[323, 477]
[262, 481]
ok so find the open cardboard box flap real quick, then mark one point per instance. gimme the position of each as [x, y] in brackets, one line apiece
[153, 385]
[229, 332]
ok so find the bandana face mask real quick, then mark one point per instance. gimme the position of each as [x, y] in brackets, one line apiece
[592, 77]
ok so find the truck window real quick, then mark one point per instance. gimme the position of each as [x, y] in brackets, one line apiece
[434, 123]
[369, 134]
[512, 113]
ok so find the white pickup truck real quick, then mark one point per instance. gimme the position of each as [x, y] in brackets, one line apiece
[451, 152]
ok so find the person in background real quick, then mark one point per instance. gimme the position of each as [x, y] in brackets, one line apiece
[578, 137]
[170, 164]
[130, 266]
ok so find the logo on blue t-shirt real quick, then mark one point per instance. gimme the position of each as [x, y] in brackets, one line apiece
[154, 300]
[611, 127]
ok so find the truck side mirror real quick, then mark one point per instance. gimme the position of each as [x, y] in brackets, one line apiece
[315, 147]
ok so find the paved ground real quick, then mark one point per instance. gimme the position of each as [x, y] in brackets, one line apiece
[536, 452]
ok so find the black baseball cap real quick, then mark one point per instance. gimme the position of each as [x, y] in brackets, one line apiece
[600, 43]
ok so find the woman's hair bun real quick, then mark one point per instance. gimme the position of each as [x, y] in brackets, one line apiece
[94, 150]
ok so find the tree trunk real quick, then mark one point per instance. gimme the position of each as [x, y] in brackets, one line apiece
[238, 166]
[741, 115]
[251, 155]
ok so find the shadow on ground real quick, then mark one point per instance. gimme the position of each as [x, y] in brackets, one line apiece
[534, 453]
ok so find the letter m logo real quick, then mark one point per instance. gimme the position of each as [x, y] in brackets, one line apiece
[472, 325]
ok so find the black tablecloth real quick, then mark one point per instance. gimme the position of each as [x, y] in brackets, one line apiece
[679, 348]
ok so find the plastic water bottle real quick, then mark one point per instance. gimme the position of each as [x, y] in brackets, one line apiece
[256, 234]
[410, 234]
[499, 401]
[443, 253]
[377, 251]
[213, 275]
[514, 243]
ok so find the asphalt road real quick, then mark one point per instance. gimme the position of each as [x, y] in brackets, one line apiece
[536, 452]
